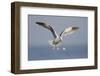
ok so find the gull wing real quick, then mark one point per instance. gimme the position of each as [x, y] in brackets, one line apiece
[48, 27]
[68, 31]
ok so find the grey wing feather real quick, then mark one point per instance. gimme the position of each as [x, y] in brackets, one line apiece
[68, 31]
[48, 27]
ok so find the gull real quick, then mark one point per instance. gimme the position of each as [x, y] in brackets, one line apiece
[57, 38]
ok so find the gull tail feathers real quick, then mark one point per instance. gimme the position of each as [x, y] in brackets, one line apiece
[51, 42]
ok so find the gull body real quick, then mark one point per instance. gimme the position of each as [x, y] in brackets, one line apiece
[55, 42]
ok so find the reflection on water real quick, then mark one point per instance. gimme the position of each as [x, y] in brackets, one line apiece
[49, 53]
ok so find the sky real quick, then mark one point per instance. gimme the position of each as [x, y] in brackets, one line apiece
[39, 36]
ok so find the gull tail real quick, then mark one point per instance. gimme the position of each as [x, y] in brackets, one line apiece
[51, 42]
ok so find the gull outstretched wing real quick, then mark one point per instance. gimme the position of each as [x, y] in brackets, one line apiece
[68, 31]
[48, 27]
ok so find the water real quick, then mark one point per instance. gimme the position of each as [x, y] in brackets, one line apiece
[49, 53]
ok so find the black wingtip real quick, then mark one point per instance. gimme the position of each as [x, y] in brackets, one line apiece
[40, 23]
[37, 22]
[75, 28]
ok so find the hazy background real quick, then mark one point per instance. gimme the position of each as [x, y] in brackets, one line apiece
[38, 37]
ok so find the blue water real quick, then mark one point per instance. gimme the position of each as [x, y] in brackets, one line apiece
[48, 53]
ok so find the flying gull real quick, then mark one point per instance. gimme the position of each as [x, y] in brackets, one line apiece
[57, 38]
